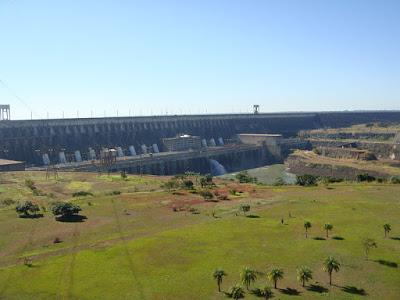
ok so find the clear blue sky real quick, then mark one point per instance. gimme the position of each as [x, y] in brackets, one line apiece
[214, 56]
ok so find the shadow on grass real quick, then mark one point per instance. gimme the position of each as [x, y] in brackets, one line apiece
[387, 263]
[319, 239]
[229, 295]
[36, 216]
[395, 238]
[72, 219]
[257, 292]
[290, 292]
[338, 238]
[252, 216]
[317, 289]
[353, 290]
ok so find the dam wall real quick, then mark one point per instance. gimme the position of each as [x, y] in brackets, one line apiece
[31, 140]
[231, 158]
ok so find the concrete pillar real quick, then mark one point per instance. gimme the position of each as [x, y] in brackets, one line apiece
[78, 157]
[61, 156]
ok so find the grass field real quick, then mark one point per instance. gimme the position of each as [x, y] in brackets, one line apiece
[133, 246]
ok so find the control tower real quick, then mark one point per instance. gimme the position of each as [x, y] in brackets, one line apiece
[4, 112]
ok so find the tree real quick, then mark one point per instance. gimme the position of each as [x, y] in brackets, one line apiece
[306, 180]
[330, 265]
[123, 175]
[65, 209]
[328, 227]
[237, 291]
[274, 275]
[244, 208]
[34, 209]
[304, 274]
[368, 244]
[265, 291]
[307, 225]
[218, 274]
[187, 184]
[24, 209]
[29, 183]
[387, 228]
[247, 276]
[244, 177]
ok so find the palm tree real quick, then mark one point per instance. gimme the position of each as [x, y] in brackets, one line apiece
[237, 291]
[387, 228]
[304, 274]
[265, 291]
[307, 225]
[331, 264]
[328, 227]
[274, 275]
[218, 273]
[368, 244]
[247, 276]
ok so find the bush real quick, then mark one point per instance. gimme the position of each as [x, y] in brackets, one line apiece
[364, 177]
[316, 151]
[8, 201]
[170, 184]
[244, 208]
[306, 180]
[394, 179]
[367, 156]
[330, 179]
[187, 184]
[222, 197]
[279, 182]
[29, 183]
[81, 193]
[206, 195]
[65, 209]
[244, 177]
[123, 175]
[233, 191]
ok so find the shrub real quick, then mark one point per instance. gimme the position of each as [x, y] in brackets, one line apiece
[222, 197]
[206, 195]
[316, 151]
[187, 184]
[233, 191]
[394, 179]
[330, 179]
[279, 182]
[29, 183]
[8, 201]
[81, 193]
[364, 177]
[244, 177]
[367, 156]
[306, 180]
[123, 175]
[244, 207]
[57, 240]
[215, 193]
[170, 184]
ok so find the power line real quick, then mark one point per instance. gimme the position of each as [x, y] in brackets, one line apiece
[14, 94]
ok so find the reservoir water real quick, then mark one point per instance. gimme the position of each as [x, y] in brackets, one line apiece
[267, 174]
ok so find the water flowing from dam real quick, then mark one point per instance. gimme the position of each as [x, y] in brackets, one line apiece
[267, 174]
[217, 168]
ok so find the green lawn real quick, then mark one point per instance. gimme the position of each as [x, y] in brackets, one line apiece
[171, 255]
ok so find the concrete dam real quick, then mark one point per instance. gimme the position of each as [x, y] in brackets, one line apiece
[78, 139]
